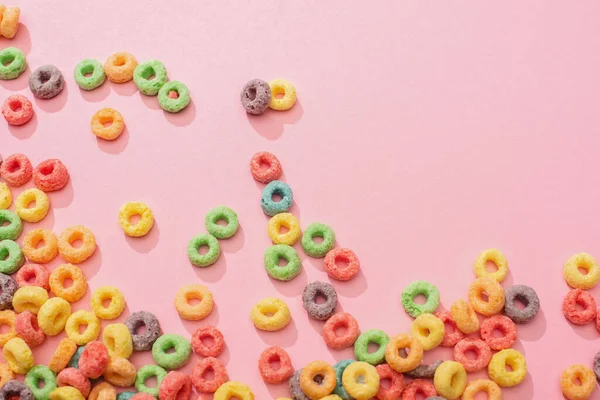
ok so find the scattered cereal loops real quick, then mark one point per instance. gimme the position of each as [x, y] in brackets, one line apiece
[8, 287]
[16, 170]
[361, 380]
[275, 375]
[273, 170]
[233, 389]
[429, 330]
[146, 372]
[285, 88]
[575, 278]
[497, 368]
[313, 248]
[120, 372]
[214, 348]
[210, 257]
[144, 225]
[171, 360]
[173, 105]
[82, 318]
[482, 352]
[33, 275]
[416, 288]
[525, 295]
[423, 371]
[347, 338]
[197, 311]
[225, 214]
[7, 318]
[287, 272]
[41, 381]
[46, 82]
[108, 124]
[14, 228]
[103, 391]
[256, 96]
[11, 257]
[29, 298]
[40, 254]
[270, 314]
[18, 355]
[418, 386]
[63, 353]
[66, 393]
[309, 385]
[119, 67]
[143, 341]
[502, 324]
[5, 195]
[295, 389]
[272, 207]
[495, 256]
[38, 211]
[289, 222]
[395, 359]
[5, 375]
[75, 378]
[17, 110]
[464, 316]
[53, 315]
[345, 273]
[12, 63]
[118, 341]
[361, 346]
[89, 74]
[150, 76]
[204, 368]
[450, 380]
[50, 175]
[176, 385]
[575, 298]
[115, 306]
[93, 360]
[396, 386]
[316, 310]
[495, 296]
[487, 386]
[27, 328]
[15, 389]
[60, 275]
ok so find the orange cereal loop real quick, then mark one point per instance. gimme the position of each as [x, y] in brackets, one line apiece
[394, 358]
[487, 386]
[62, 355]
[308, 384]
[108, 124]
[120, 372]
[464, 316]
[57, 282]
[578, 382]
[6, 374]
[495, 296]
[40, 254]
[119, 67]
[7, 317]
[79, 254]
[194, 312]
[103, 391]
[10, 22]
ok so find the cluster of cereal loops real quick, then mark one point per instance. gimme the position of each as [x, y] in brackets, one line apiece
[48, 176]
[9, 21]
[209, 240]
[258, 95]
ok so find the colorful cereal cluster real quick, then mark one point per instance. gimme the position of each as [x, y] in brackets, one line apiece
[210, 240]
[257, 95]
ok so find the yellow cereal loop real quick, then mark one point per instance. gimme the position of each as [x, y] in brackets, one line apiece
[429, 330]
[287, 221]
[118, 341]
[6, 374]
[18, 356]
[116, 302]
[495, 256]
[281, 87]
[40, 246]
[29, 298]
[194, 312]
[232, 389]
[361, 380]
[486, 386]
[579, 280]
[7, 317]
[9, 23]
[35, 213]
[83, 318]
[62, 355]
[450, 380]
[494, 303]
[270, 314]
[497, 368]
[464, 316]
[60, 275]
[53, 315]
[5, 196]
[66, 393]
[143, 226]
[578, 382]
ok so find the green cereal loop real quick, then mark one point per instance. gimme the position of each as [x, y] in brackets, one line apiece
[12, 63]
[147, 372]
[38, 374]
[420, 288]
[173, 105]
[93, 67]
[175, 360]
[287, 272]
[11, 257]
[14, 227]
[361, 346]
[203, 260]
[150, 76]
[318, 230]
[222, 213]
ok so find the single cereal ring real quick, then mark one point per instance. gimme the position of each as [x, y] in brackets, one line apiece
[16, 169]
[66, 393]
[361, 380]
[120, 372]
[7, 318]
[75, 378]
[315, 310]
[495, 296]
[394, 390]
[497, 368]
[103, 391]
[82, 318]
[216, 341]
[46, 252]
[143, 341]
[93, 360]
[423, 371]
[46, 82]
[128, 395]
[287, 221]
[232, 389]
[346, 273]
[395, 360]
[429, 330]
[272, 207]
[8, 288]
[40, 375]
[482, 351]
[11, 257]
[176, 385]
[525, 295]
[273, 170]
[144, 225]
[495, 256]
[285, 88]
[361, 346]
[270, 314]
[575, 278]
[89, 74]
[577, 297]
[502, 324]
[171, 360]
[146, 372]
[58, 278]
[14, 228]
[117, 339]
[38, 211]
[351, 331]
[197, 311]
[50, 175]
[464, 316]
[29, 298]
[63, 353]
[5, 195]
[14, 389]
[452, 335]
[418, 386]
[416, 288]
[256, 96]
[119, 67]
[275, 375]
[204, 368]
[12, 63]
[308, 379]
[482, 386]
[203, 260]
[18, 355]
[314, 249]
[150, 76]
[33, 275]
[282, 273]
[5, 375]
[27, 328]
[173, 96]
[108, 124]
[9, 23]
[17, 110]
[79, 254]
[222, 213]
[115, 306]
[74, 361]
[450, 380]
[339, 390]
[53, 315]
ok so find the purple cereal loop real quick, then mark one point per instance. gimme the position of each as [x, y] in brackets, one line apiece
[294, 386]
[15, 388]
[317, 311]
[424, 371]
[8, 286]
[46, 82]
[256, 96]
[142, 342]
[597, 366]
[525, 295]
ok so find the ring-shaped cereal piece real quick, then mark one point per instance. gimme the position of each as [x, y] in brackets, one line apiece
[29, 298]
[287, 221]
[119, 67]
[452, 335]
[310, 300]
[361, 346]
[103, 391]
[497, 368]
[495, 256]
[176, 385]
[16, 169]
[5, 374]
[33, 275]
[313, 248]
[209, 365]
[108, 124]
[232, 389]
[41, 381]
[575, 298]
[150, 76]
[395, 360]
[50, 175]
[8, 288]
[575, 278]
[225, 214]
[339, 390]
[61, 356]
[210, 257]
[208, 350]
[79, 254]
[18, 356]
[7, 317]
[275, 375]
[118, 341]
[505, 326]
[17, 110]
[82, 318]
[273, 170]
[9, 23]
[420, 386]
[46, 82]
[94, 359]
[15, 389]
[255, 96]
[11, 257]
[171, 360]
[464, 316]
[115, 306]
[146, 372]
[429, 330]
[53, 315]
[334, 256]
[527, 296]
[574, 390]
[495, 296]
[44, 254]
[14, 228]
[308, 379]
[35, 213]
[12, 63]
[5, 196]
[351, 331]
[174, 96]
[287, 272]
[58, 278]
[272, 207]
[197, 311]
[143, 341]
[482, 352]
[89, 74]
[143, 226]
[66, 393]
[27, 328]
[486, 386]
[396, 386]
[416, 288]
[270, 314]
[282, 87]
[361, 380]
[75, 378]
[120, 372]
[450, 380]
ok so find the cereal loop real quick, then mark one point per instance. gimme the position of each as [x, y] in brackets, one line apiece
[12, 63]
[287, 272]
[497, 368]
[418, 386]
[8, 288]
[17, 110]
[33, 275]
[46, 82]
[429, 330]
[225, 214]
[120, 372]
[146, 372]
[176, 385]
[486, 386]
[574, 390]
[16, 169]
[347, 338]
[66, 393]
[233, 389]
[287, 221]
[482, 351]
[275, 375]
[144, 225]
[335, 271]
[11, 225]
[7, 318]
[272, 207]
[103, 391]
[361, 380]
[26, 326]
[9, 23]
[35, 213]
[115, 306]
[53, 315]
[313, 248]
[450, 380]
[36, 253]
[89, 74]
[282, 87]
[464, 316]
[194, 312]
[78, 286]
[41, 381]
[396, 361]
[452, 335]
[29, 298]
[143, 340]
[256, 96]
[527, 296]
[18, 355]
[69, 236]
[150, 76]
[505, 326]
[82, 318]
[174, 96]
[118, 341]
[50, 175]
[575, 278]
[182, 349]
[396, 386]
[214, 347]
[416, 288]
[11, 257]
[108, 124]
[93, 360]
[270, 314]
[575, 298]
[309, 385]
[63, 353]
[495, 296]
[75, 378]
[119, 67]
[361, 346]
[495, 256]
[210, 257]
[205, 367]
[273, 170]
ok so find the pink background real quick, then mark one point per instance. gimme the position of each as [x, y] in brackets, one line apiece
[424, 133]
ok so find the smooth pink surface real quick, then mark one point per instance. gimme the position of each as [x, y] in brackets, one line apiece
[424, 133]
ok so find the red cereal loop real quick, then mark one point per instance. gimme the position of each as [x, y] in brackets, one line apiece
[418, 386]
[346, 339]
[396, 383]
[451, 336]
[142, 396]
[175, 386]
[75, 378]
[16, 170]
[211, 350]
[578, 297]
[27, 328]
[336, 255]
[94, 359]
[482, 351]
[209, 364]
[505, 326]
[271, 173]
[50, 175]
[265, 365]
[33, 275]
[17, 110]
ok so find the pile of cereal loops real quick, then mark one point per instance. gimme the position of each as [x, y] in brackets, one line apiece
[258, 95]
